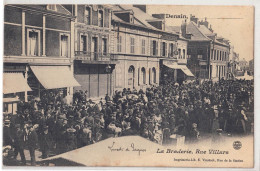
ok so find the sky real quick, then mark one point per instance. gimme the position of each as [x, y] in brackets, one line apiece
[235, 23]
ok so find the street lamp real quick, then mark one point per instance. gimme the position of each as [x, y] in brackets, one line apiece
[108, 69]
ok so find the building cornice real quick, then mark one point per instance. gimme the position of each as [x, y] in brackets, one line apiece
[44, 12]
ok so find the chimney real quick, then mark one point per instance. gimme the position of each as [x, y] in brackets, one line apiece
[210, 28]
[141, 7]
[184, 29]
[193, 18]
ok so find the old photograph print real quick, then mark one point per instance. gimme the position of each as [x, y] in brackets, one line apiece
[128, 85]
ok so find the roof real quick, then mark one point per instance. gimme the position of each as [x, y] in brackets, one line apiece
[140, 17]
[196, 32]
[176, 29]
[60, 9]
[206, 31]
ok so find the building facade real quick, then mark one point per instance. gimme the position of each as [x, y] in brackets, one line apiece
[251, 67]
[142, 45]
[93, 64]
[38, 47]
[208, 54]
[243, 64]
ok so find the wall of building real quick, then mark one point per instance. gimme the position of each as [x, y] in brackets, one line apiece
[93, 15]
[137, 59]
[198, 51]
[122, 75]
[219, 58]
[94, 79]
[54, 26]
[182, 57]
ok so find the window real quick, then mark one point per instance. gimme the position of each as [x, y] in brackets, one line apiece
[154, 47]
[211, 54]
[171, 50]
[87, 15]
[143, 46]
[131, 74]
[154, 75]
[52, 7]
[143, 75]
[220, 55]
[104, 46]
[94, 47]
[83, 44]
[64, 45]
[100, 18]
[217, 54]
[214, 54]
[33, 42]
[163, 49]
[119, 44]
[132, 48]
[217, 72]
[183, 52]
[179, 52]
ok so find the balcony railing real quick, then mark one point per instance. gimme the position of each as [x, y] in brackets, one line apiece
[94, 56]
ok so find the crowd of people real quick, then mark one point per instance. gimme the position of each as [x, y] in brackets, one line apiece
[190, 110]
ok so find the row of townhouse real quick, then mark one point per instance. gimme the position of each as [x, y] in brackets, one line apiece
[208, 53]
[100, 49]
[121, 46]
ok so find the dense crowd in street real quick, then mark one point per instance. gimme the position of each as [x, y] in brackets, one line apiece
[157, 113]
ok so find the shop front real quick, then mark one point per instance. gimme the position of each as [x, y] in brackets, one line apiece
[15, 87]
[44, 78]
[95, 79]
[174, 72]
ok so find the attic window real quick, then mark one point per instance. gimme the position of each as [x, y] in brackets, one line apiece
[131, 18]
[52, 7]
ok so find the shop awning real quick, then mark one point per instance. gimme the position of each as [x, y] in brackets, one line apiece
[182, 67]
[15, 82]
[52, 77]
[187, 71]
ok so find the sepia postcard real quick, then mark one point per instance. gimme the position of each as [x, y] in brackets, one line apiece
[144, 85]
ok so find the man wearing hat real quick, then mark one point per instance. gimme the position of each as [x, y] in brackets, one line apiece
[32, 143]
[45, 142]
[19, 143]
[71, 139]
[7, 139]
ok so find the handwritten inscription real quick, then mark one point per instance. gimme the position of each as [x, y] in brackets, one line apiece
[131, 148]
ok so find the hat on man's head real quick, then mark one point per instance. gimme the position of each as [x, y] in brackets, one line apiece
[71, 130]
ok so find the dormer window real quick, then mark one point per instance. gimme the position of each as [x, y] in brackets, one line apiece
[52, 7]
[100, 18]
[131, 18]
[88, 15]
